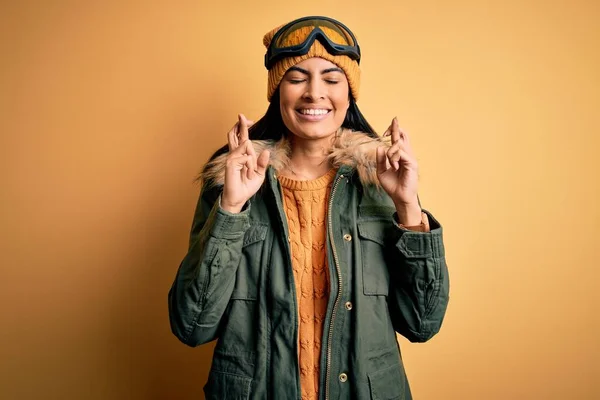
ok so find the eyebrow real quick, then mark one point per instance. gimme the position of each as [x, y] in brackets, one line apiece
[325, 71]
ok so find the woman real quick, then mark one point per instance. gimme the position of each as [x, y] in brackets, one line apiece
[309, 249]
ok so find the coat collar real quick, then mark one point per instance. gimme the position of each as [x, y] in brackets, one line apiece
[351, 149]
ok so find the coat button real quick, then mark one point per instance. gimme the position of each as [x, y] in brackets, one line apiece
[348, 306]
[343, 377]
[347, 237]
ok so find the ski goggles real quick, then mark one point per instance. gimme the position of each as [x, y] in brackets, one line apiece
[341, 43]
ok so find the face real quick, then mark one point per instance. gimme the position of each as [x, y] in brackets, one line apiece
[314, 99]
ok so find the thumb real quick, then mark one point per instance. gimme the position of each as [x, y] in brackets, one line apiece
[262, 162]
[381, 161]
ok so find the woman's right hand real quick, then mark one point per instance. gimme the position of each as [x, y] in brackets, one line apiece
[244, 171]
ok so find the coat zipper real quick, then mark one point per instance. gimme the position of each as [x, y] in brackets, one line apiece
[289, 256]
[339, 291]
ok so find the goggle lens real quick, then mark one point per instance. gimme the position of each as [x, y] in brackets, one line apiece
[334, 32]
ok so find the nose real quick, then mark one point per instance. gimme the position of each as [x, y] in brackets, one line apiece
[315, 90]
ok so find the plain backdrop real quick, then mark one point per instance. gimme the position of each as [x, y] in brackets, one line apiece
[108, 109]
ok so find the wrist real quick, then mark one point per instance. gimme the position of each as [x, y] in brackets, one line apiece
[230, 208]
[409, 214]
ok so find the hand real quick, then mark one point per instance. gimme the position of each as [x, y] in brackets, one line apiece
[397, 171]
[244, 171]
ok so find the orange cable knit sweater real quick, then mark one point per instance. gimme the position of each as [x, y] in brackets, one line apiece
[305, 204]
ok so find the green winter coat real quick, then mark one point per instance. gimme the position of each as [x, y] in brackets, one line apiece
[236, 285]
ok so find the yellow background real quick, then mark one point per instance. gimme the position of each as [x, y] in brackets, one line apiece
[109, 109]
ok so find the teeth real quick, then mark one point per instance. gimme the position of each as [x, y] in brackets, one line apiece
[312, 111]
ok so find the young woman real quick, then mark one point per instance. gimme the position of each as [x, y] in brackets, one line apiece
[309, 249]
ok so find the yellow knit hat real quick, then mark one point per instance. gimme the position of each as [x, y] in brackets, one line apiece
[276, 73]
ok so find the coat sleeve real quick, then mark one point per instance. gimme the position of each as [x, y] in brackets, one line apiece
[419, 282]
[205, 279]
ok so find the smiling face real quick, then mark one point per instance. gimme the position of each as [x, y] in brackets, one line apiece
[314, 99]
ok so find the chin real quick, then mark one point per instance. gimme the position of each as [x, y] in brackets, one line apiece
[315, 133]
[314, 130]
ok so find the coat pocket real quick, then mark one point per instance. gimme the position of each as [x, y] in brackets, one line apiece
[376, 277]
[226, 386]
[250, 263]
[388, 383]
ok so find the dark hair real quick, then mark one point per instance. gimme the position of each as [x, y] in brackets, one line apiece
[271, 126]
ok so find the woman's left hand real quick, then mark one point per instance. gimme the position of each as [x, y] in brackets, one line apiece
[397, 171]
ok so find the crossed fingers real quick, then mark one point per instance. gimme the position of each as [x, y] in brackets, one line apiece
[400, 148]
[241, 150]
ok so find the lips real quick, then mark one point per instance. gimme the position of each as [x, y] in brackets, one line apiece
[313, 111]
[313, 114]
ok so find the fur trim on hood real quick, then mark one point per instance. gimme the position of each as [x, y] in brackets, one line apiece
[350, 148]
